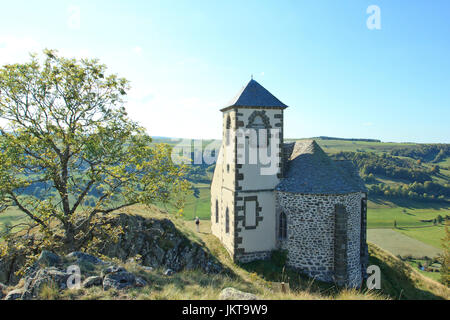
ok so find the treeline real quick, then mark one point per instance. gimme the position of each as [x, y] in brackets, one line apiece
[425, 152]
[344, 139]
[428, 191]
[387, 165]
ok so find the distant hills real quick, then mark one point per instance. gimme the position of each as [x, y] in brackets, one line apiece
[346, 139]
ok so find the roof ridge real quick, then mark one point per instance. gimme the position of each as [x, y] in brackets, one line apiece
[311, 170]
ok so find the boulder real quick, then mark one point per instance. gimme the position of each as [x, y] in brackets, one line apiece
[140, 282]
[94, 281]
[48, 259]
[84, 257]
[46, 276]
[119, 280]
[147, 269]
[234, 294]
[168, 272]
[14, 294]
[112, 269]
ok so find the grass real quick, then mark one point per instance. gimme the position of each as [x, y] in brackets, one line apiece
[401, 281]
[199, 206]
[400, 244]
[430, 235]
[382, 213]
[11, 216]
[398, 279]
[436, 276]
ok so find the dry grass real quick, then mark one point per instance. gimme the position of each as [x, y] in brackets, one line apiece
[399, 280]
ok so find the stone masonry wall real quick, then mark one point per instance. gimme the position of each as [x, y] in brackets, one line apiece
[310, 238]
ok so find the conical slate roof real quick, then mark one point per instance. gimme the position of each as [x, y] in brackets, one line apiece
[311, 171]
[255, 95]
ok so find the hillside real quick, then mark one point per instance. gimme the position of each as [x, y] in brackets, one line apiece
[399, 281]
[408, 184]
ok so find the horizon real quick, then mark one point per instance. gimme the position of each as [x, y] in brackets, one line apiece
[185, 60]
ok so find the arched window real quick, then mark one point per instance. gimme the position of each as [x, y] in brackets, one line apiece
[228, 130]
[227, 221]
[217, 211]
[260, 123]
[282, 226]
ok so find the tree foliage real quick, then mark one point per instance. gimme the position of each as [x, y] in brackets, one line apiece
[65, 129]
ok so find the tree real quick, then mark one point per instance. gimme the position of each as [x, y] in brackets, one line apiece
[68, 140]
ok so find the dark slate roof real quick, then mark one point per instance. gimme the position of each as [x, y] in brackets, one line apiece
[311, 171]
[255, 95]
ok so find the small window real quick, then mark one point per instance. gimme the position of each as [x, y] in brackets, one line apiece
[228, 131]
[250, 214]
[282, 227]
[227, 221]
[217, 211]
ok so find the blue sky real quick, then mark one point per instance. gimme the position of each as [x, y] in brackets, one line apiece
[187, 59]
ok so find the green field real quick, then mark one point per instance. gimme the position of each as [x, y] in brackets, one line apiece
[11, 216]
[199, 206]
[382, 213]
[429, 235]
[400, 244]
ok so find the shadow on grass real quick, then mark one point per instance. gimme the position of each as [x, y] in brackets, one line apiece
[274, 272]
[411, 204]
[396, 280]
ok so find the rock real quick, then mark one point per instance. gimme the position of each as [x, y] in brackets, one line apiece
[119, 280]
[82, 256]
[140, 282]
[113, 269]
[94, 281]
[148, 269]
[14, 295]
[2, 288]
[168, 272]
[48, 259]
[159, 244]
[47, 276]
[234, 294]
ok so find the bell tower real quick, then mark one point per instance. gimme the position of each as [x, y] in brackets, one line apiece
[248, 169]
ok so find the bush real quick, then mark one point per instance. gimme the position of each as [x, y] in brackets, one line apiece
[279, 258]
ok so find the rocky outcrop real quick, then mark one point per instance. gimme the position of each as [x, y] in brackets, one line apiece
[234, 294]
[58, 276]
[84, 257]
[47, 258]
[159, 244]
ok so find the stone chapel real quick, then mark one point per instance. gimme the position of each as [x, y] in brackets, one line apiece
[311, 206]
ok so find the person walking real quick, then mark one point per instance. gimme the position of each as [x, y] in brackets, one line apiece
[197, 224]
